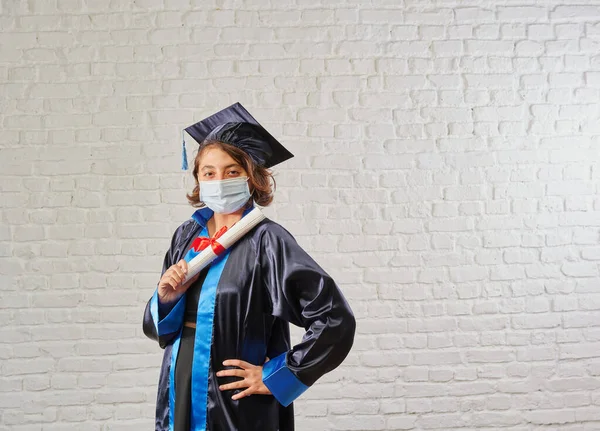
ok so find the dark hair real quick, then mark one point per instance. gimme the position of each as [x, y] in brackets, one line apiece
[259, 177]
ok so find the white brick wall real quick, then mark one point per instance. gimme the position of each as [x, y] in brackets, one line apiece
[447, 174]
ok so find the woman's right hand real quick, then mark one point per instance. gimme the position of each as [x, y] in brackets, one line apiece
[170, 287]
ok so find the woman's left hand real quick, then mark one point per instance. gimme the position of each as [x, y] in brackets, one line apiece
[251, 379]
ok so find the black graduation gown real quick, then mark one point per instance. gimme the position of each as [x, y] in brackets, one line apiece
[248, 296]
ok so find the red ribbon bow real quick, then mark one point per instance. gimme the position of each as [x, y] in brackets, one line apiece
[202, 242]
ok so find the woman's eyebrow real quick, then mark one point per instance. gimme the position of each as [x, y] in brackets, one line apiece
[236, 165]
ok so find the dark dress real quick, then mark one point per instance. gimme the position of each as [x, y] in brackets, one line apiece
[248, 297]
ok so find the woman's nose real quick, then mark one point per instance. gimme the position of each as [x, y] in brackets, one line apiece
[219, 175]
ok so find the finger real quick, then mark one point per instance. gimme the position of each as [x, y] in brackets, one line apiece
[240, 384]
[237, 363]
[182, 266]
[234, 373]
[178, 277]
[242, 394]
[173, 276]
[174, 282]
[177, 270]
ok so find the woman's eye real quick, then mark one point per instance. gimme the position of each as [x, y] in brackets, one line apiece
[207, 174]
[233, 172]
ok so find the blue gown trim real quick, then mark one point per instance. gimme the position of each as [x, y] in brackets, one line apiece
[202, 216]
[191, 253]
[203, 342]
[204, 330]
[174, 353]
[154, 309]
[175, 350]
[282, 383]
[172, 321]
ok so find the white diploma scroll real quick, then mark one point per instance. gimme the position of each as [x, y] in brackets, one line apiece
[230, 237]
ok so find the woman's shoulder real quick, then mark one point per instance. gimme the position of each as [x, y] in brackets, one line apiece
[187, 225]
[184, 230]
[271, 226]
[269, 231]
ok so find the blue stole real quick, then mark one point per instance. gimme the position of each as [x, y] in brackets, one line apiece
[203, 336]
[203, 341]
[202, 344]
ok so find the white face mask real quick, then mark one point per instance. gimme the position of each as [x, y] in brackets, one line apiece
[225, 196]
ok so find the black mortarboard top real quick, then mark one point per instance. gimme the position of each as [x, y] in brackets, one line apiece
[234, 125]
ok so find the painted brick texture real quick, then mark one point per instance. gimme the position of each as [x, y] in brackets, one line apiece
[447, 175]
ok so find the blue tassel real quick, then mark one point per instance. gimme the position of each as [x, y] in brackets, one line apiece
[184, 162]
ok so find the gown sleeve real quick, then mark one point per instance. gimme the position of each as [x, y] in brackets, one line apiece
[302, 293]
[162, 321]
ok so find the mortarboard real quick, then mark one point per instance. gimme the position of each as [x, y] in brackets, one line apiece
[234, 125]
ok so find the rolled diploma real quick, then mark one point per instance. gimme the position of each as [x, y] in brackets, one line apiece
[230, 237]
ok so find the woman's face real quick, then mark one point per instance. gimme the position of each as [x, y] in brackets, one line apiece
[216, 164]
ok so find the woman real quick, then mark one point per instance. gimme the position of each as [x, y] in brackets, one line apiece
[228, 364]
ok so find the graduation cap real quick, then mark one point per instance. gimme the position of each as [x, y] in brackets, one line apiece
[234, 125]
